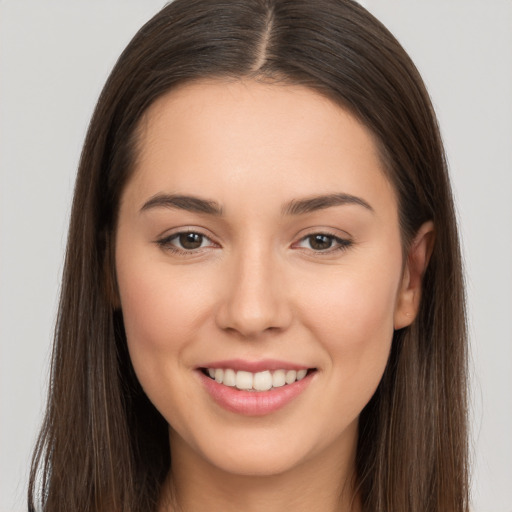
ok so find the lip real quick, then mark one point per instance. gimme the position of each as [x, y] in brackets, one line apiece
[254, 403]
[254, 366]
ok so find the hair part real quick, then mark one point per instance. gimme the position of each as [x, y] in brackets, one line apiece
[103, 445]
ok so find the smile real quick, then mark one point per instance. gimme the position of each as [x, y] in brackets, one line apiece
[259, 381]
[270, 386]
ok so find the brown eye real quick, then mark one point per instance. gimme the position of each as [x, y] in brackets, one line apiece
[190, 241]
[320, 242]
[185, 242]
[323, 243]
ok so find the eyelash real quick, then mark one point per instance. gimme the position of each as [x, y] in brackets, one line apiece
[340, 244]
[166, 243]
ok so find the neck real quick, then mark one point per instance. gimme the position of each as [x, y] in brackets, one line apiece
[324, 483]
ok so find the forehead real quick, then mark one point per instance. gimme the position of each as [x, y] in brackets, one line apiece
[247, 137]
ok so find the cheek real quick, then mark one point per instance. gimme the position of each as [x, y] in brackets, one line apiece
[352, 316]
[160, 319]
[147, 310]
[160, 310]
[355, 303]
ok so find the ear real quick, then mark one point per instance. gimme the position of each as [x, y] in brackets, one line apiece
[409, 294]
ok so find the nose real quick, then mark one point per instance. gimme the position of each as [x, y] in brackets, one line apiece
[254, 300]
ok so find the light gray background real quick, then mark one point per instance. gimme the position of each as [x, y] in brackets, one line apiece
[54, 58]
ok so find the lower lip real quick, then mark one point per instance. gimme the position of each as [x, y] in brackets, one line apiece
[254, 403]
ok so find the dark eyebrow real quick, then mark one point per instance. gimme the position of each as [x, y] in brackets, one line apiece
[311, 204]
[295, 207]
[182, 202]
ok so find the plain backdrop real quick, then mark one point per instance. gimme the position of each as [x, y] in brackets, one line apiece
[54, 59]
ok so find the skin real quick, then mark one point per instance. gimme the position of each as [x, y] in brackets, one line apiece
[258, 288]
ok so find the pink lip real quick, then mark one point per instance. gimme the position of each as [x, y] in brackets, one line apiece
[254, 366]
[254, 403]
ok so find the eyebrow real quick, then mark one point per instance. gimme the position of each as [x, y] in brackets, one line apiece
[311, 204]
[182, 202]
[294, 207]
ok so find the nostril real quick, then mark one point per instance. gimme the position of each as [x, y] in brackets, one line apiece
[252, 309]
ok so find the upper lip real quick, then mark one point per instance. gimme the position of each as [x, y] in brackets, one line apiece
[255, 366]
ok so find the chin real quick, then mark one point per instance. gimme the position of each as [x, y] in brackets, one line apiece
[250, 463]
[245, 453]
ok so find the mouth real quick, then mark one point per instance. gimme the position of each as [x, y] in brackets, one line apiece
[266, 380]
[255, 388]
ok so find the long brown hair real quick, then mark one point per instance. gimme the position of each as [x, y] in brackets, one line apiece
[103, 445]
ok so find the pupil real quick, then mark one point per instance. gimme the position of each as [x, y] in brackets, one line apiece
[191, 240]
[321, 242]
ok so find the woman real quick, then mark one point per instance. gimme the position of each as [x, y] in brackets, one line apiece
[262, 302]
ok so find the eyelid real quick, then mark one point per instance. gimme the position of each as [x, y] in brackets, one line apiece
[165, 241]
[342, 241]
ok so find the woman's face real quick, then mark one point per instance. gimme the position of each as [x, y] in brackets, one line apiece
[258, 241]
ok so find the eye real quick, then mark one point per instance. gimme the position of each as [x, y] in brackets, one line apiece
[323, 242]
[185, 241]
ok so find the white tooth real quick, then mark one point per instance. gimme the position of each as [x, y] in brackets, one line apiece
[291, 376]
[243, 380]
[301, 374]
[229, 377]
[211, 372]
[278, 378]
[219, 374]
[262, 381]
